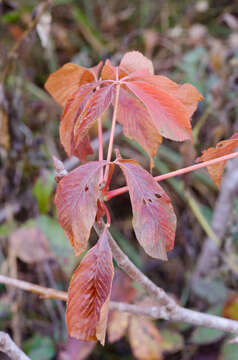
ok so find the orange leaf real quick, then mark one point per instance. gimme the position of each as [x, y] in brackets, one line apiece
[222, 148]
[169, 115]
[187, 94]
[64, 82]
[137, 123]
[154, 220]
[117, 325]
[230, 310]
[108, 71]
[134, 60]
[97, 104]
[89, 293]
[72, 111]
[144, 339]
[76, 203]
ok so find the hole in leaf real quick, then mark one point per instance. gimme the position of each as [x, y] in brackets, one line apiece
[86, 188]
[144, 202]
[158, 196]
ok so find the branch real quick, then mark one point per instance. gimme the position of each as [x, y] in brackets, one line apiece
[124, 189]
[220, 220]
[162, 311]
[168, 308]
[12, 55]
[10, 348]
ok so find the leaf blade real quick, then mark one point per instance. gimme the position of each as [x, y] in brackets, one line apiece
[76, 203]
[64, 82]
[224, 147]
[89, 293]
[169, 115]
[153, 214]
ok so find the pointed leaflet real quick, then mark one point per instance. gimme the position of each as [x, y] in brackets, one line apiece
[95, 107]
[137, 123]
[89, 293]
[169, 115]
[154, 220]
[144, 339]
[222, 148]
[65, 81]
[134, 60]
[72, 111]
[187, 94]
[76, 203]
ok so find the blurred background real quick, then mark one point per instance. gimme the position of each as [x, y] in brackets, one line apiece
[188, 41]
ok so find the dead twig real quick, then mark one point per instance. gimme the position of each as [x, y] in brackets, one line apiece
[12, 55]
[10, 348]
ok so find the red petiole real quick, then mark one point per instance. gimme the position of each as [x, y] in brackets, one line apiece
[124, 189]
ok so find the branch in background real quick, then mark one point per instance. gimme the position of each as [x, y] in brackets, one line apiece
[10, 348]
[12, 55]
[220, 220]
[162, 311]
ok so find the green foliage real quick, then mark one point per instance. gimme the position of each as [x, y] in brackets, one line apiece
[39, 347]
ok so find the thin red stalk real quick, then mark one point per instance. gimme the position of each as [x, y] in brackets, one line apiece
[100, 145]
[114, 118]
[107, 214]
[182, 171]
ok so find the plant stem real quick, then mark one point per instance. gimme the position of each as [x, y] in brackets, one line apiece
[100, 146]
[171, 174]
[114, 118]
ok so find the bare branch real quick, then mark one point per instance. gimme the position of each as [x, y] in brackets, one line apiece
[10, 348]
[12, 55]
[220, 220]
[177, 313]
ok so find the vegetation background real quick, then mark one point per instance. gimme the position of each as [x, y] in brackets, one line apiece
[188, 41]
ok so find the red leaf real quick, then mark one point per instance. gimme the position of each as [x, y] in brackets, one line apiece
[122, 288]
[76, 203]
[83, 149]
[97, 104]
[222, 148]
[137, 123]
[169, 115]
[154, 220]
[72, 111]
[108, 71]
[64, 82]
[134, 60]
[145, 339]
[89, 293]
[187, 94]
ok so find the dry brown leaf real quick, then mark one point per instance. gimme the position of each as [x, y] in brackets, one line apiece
[30, 245]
